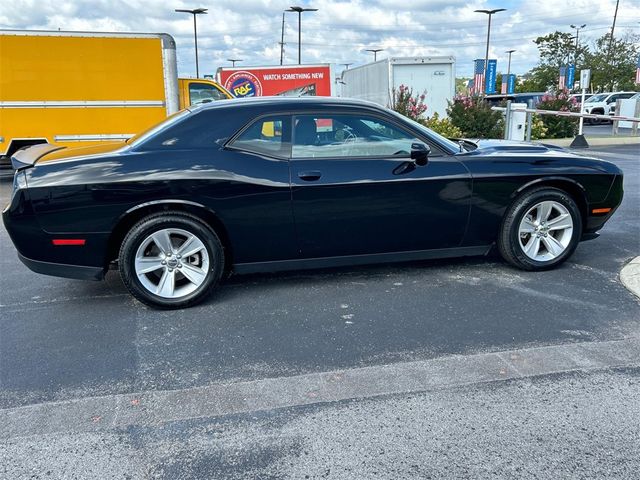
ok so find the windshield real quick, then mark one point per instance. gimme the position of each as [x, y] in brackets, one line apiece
[150, 132]
[452, 146]
[598, 98]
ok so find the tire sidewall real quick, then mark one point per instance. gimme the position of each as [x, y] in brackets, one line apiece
[523, 207]
[152, 224]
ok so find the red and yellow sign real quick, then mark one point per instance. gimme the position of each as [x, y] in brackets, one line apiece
[294, 81]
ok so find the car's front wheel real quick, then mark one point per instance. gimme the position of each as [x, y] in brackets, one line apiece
[171, 260]
[540, 230]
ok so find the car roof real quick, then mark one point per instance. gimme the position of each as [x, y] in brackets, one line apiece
[285, 102]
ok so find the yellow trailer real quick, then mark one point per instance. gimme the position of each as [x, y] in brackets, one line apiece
[82, 88]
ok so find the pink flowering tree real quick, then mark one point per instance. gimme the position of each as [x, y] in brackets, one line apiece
[559, 127]
[405, 102]
[473, 116]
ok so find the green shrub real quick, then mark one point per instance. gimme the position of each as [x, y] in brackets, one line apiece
[538, 128]
[442, 126]
[475, 119]
[559, 127]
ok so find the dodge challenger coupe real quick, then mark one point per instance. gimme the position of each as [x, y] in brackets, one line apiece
[288, 183]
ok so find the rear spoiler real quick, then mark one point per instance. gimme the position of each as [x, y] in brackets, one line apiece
[28, 156]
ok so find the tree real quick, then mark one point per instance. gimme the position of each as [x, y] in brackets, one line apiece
[461, 85]
[557, 49]
[613, 69]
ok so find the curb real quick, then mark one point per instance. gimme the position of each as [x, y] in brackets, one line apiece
[593, 141]
[630, 276]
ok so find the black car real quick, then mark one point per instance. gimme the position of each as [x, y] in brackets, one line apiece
[293, 183]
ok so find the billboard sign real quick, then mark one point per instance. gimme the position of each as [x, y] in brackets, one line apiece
[294, 80]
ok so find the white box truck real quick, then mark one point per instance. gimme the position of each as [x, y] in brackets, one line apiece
[434, 76]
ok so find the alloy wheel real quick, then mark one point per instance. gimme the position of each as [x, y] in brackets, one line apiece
[172, 263]
[545, 231]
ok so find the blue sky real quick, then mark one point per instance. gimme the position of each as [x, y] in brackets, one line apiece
[339, 32]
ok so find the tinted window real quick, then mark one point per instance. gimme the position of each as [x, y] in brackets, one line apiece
[336, 136]
[268, 135]
[200, 129]
[204, 93]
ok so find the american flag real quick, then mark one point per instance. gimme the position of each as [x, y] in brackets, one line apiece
[638, 70]
[505, 84]
[478, 77]
[561, 80]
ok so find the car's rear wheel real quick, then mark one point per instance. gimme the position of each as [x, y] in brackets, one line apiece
[171, 260]
[540, 230]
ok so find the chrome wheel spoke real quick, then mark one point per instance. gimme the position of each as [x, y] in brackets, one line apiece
[554, 247]
[194, 274]
[544, 211]
[166, 285]
[190, 247]
[561, 222]
[527, 226]
[533, 246]
[163, 241]
[148, 264]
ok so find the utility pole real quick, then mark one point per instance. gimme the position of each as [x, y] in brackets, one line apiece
[282, 41]
[613, 27]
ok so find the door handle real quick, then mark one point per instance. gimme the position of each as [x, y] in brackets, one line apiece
[310, 176]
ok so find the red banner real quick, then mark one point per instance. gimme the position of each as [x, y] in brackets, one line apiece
[294, 81]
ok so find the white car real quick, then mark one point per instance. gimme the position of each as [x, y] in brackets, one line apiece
[604, 104]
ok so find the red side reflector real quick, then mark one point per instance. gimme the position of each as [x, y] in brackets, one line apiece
[68, 241]
[601, 210]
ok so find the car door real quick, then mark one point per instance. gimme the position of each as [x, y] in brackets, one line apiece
[356, 191]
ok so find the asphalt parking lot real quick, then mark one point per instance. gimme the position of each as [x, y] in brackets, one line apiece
[456, 368]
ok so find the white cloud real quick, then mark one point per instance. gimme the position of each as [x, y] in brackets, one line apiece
[338, 33]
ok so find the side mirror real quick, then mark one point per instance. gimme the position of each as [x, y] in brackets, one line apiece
[420, 153]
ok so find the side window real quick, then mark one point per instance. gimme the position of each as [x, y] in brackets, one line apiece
[344, 136]
[268, 135]
[204, 93]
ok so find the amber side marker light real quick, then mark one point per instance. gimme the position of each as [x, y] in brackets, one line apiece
[68, 241]
[601, 210]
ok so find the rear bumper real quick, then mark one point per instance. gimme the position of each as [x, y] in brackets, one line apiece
[63, 270]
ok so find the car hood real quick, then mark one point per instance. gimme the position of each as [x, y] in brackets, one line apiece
[512, 146]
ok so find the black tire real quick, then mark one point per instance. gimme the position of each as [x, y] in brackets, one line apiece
[141, 232]
[509, 244]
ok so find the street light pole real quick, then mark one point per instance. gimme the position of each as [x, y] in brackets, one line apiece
[509, 64]
[300, 10]
[233, 61]
[375, 52]
[194, 12]
[486, 55]
[282, 41]
[575, 54]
